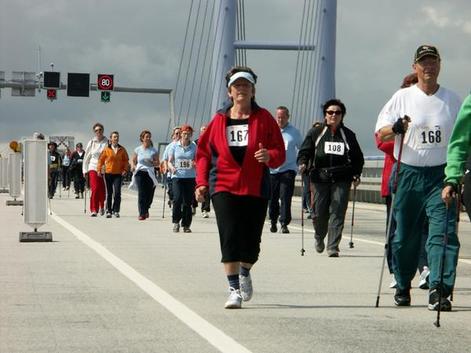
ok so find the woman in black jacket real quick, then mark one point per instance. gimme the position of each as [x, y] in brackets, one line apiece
[336, 160]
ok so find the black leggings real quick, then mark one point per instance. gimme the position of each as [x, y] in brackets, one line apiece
[146, 189]
[240, 222]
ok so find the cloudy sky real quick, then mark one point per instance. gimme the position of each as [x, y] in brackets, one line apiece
[141, 42]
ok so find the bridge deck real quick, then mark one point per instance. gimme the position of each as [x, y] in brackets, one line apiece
[120, 285]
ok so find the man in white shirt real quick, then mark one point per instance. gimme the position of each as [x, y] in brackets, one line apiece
[424, 114]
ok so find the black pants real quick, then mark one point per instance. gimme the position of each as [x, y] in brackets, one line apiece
[79, 181]
[146, 189]
[282, 187]
[113, 192]
[206, 204]
[240, 222]
[65, 176]
[183, 191]
[169, 188]
[52, 182]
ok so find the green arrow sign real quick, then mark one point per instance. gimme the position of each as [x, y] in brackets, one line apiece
[105, 96]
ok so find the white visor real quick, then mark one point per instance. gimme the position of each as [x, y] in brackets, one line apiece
[241, 74]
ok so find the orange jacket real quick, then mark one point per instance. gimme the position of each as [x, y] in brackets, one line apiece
[115, 163]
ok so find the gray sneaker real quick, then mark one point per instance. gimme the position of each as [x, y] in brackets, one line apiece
[319, 245]
[235, 299]
[246, 289]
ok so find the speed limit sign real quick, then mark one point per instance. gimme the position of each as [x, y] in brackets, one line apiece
[105, 82]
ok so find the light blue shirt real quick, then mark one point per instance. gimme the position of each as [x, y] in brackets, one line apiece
[293, 140]
[183, 160]
[145, 156]
[167, 149]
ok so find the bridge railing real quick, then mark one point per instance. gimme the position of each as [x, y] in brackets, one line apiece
[369, 189]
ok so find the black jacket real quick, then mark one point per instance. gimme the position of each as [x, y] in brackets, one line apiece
[316, 158]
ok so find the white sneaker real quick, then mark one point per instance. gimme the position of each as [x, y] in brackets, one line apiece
[235, 300]
[423, 278]
[246, 289]
[205, 214]
[393, 283]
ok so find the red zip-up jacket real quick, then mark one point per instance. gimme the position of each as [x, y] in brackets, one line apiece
[219, 171]
[388, 148]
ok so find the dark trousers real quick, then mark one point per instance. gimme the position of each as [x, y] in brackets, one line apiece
[65, 176]
[331, 201]
[206, 204]
[282, 187]
[170, 189]
[113, 192]
[306, 192]
[418, 197]
[52, 184]
[240, 222]
[183, 191]
[145, 194]
[79, 181]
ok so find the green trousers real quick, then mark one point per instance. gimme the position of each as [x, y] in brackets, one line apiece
[419, 195]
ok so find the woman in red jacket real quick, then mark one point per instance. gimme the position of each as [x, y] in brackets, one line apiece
[233, 159]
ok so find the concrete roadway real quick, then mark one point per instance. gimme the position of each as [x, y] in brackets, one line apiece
[123, 285]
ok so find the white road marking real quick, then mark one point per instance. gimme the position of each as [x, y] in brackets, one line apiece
[212, 334]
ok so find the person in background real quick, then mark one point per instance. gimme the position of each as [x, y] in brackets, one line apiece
[54, 167]
[76, 163]
[97, 185]
[206, 203]
[282, 178]
[181, 162]
[175, 137]
[65, 169]
[337, 160]
[143, 163]
[115, 160]
[233, 158]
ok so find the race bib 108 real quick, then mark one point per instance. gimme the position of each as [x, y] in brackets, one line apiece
[337, 148]
[237, 135]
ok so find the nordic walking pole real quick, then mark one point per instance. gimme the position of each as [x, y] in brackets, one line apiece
[350, 244]
[442, 267]
[388, 228]
[85, 194]
[302, 217]
[458, 211]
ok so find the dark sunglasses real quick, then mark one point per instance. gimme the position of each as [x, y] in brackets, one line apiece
[334, 112]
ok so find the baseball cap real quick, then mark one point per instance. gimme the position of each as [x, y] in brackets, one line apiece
[426, 50]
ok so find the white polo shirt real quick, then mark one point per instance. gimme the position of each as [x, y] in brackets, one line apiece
[432, 120]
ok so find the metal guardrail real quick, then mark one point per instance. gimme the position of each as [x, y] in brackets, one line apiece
[369, 189]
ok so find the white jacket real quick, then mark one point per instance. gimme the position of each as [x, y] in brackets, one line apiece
[92, 153]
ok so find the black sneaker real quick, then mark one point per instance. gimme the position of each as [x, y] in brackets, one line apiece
[402, 297]
[273, 228]
[433, 300]
[284, 229]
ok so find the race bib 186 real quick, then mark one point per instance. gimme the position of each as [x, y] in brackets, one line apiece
[337, 148]
[237, 135]
[184, 164]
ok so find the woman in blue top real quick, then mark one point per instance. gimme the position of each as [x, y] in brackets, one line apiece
[143, 162]
[181, 162]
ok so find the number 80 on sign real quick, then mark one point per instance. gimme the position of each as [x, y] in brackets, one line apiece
[105, 82]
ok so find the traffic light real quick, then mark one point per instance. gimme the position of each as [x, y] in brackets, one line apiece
[78, 85]
[105, 96]
[51, 94]
[52, 79]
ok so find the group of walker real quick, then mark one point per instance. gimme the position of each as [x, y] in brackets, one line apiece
[246, 161]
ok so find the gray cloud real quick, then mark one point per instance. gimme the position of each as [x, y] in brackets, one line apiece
[141, 43]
